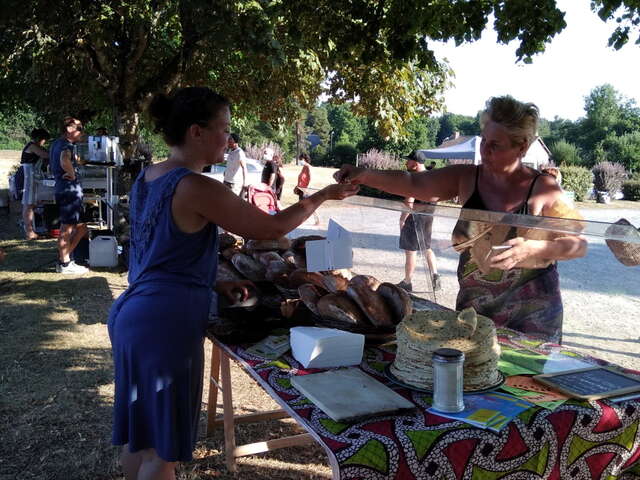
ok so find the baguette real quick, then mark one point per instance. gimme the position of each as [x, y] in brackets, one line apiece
[362, 290]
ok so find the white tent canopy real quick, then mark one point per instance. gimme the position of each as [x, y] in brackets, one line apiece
[538, 153]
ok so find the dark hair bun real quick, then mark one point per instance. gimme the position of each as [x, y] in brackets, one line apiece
[188, 106]
[38, 134]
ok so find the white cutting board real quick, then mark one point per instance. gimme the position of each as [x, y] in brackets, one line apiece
[349, 393]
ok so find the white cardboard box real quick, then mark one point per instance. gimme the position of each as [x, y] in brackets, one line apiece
[316, 347]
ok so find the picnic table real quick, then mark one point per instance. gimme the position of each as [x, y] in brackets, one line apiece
[577, 440]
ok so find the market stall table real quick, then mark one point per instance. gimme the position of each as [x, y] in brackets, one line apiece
[577, 440]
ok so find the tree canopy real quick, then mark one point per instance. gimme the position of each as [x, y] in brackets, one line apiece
[270, 57]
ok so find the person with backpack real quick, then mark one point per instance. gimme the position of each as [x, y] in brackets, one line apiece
[32, 153]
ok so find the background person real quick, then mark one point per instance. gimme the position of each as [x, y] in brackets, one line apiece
[235, 175]
[31, 154]
[272, 175]
[304, 179]
[409, 226]
[68, 194]
[512, 294]
[157, 326]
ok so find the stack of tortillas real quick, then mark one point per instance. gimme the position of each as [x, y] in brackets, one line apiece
[426, 331]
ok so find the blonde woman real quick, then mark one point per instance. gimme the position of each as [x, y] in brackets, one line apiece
[525, 299]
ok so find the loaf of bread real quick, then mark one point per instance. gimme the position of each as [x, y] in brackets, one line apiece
[340, 308]
[249, 267]
[362, 290]
[265, 258]
[226, 240]
[227, 272]
[229, 252]
[282, 243]
[335, 283]
[300, 277]
[310, 295]
[298, 244]
[398, 301]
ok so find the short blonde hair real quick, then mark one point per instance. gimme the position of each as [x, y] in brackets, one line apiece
[554, 172]
[520, 119]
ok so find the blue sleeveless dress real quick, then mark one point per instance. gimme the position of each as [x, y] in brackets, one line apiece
[157, 326]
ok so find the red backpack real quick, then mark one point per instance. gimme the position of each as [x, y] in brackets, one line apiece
[263, 197]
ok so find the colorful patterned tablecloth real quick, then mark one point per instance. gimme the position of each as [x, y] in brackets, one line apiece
[576, 441]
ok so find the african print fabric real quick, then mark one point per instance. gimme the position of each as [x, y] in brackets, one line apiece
[578, 440]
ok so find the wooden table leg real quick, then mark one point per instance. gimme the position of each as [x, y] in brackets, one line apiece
[214, 378]
[227, 405]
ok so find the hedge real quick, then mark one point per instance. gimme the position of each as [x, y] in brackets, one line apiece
[577, 180]
[631, 190]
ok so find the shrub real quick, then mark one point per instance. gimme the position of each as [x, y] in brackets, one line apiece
[631, 190]
[608, 177]
[576, 179]
[380, 160]
[342, 153]
[565, 153]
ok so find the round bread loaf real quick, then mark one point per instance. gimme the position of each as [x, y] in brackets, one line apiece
[362, 290]
[265, 258]
[226, 240]
[310, 295]
[398, 300]
[248, 267]
[298, 244]
[341, 309]
[424, 332]
[335, 283]
[227, 272]
[301, 276]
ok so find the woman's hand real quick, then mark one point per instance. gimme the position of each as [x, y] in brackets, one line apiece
[339, 191]
[235, 291]
[520, 250]
[349, 174]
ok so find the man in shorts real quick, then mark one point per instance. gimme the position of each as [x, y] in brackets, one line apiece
[68, 192]
[409, 226]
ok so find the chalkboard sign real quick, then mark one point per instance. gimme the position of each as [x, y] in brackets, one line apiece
[590, 383]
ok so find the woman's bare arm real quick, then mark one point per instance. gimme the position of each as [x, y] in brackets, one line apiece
[199, 199]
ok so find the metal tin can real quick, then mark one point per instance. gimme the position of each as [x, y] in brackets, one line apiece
[448, 380]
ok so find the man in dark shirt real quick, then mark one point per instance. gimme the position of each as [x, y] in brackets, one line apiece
[68, 192]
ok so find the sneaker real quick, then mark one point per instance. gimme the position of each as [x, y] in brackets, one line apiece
[437, 285]
[405, 286]
[71, 268]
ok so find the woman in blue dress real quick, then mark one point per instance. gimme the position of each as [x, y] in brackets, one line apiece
[157, 327]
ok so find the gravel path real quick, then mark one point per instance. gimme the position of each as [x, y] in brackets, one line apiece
[601, 296]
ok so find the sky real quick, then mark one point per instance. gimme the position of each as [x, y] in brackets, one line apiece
[577, 60]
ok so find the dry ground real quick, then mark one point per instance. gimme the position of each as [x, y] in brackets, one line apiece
[56, 381]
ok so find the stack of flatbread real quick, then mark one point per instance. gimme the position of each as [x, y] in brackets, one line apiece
[426, 331]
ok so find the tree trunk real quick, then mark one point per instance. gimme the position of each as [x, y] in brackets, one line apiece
[128, 128]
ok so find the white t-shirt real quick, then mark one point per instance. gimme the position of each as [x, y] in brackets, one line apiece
[233, 172]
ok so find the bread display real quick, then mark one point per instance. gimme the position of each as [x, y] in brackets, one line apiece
[426, 331]
[362, 290]
[337, 298]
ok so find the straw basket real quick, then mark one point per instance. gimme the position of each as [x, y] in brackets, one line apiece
[627, 253]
